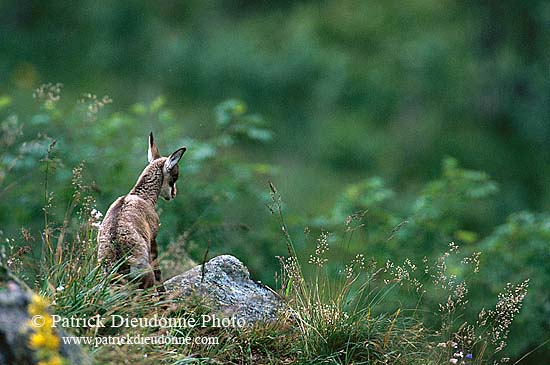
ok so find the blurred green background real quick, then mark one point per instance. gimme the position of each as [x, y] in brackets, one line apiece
[345, 105]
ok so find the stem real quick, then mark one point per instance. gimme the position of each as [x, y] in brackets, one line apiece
[46, 241]
[277, 203]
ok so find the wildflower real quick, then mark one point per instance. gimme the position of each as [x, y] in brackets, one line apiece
[96, 214]
[43, 338]
[321, 249]
[348, 220]
[453, 361]
[38, 305]
[60, 288]
[49, 94]
[359, 261]
[54, 360]
[453, 247]
[52, 341]
[469, 356]
[509, 304]
[96, 217]
[291, 268]
[94, 104]
[37, 340]
[472, 260]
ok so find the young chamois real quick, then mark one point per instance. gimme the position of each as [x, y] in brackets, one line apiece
[128, 231]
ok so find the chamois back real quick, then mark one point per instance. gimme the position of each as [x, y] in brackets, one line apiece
[127, 235]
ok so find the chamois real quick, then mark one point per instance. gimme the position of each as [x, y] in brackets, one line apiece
[128, 231]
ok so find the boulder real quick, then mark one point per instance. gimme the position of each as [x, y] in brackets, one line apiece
[225, 283]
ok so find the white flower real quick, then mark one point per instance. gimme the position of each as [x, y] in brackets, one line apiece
[96, 218]
[453, 361]
[96, 214]
[60, 288]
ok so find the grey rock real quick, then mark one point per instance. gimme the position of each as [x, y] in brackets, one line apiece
[227, 286]
[14, 331]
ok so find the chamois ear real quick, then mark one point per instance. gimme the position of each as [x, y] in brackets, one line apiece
[153, 152]
[174, 158]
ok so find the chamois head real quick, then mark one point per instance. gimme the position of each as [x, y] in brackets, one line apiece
[169, 168]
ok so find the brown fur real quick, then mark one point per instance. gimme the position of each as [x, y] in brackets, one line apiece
[128, 232]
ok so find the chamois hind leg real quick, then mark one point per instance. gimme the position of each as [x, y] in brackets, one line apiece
[142, 272]
[147, 279]
[155, 265]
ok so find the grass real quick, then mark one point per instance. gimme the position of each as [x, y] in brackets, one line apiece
[342, 316]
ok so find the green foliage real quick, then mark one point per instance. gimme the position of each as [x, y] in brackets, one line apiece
[217, 206]
[454, 207]
[448, 207]
[521, 247]
[213, 178]
[343, 311]
[232, 118]
[369, 194]
[445, 210]
[355, 87]
[364, 99]
[332, 317]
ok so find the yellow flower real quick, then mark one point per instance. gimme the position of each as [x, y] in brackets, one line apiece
[52, 342]
[38, 305]
[37, 340]
[54, 360]
[44, 339]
